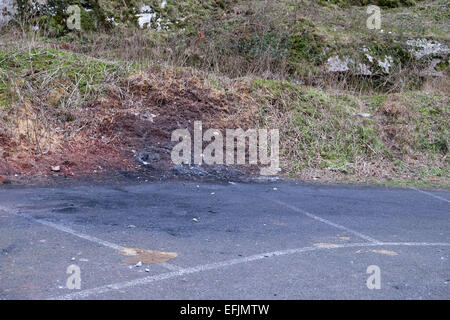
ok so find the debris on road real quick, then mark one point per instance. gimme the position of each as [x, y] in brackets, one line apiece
[138, 257]
[386, 252]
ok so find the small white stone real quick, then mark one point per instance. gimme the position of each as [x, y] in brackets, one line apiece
[363, 115]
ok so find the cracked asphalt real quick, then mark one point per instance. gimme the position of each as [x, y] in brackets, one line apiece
[278, 240]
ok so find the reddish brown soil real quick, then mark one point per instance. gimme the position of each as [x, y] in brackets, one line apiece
[138, 115]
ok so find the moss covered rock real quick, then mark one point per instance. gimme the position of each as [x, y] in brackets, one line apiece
[52, 15]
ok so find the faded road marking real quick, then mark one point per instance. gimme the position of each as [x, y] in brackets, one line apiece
[92, 239]
[326, 245]
[430, 194]
[293, 208]
[219, 265]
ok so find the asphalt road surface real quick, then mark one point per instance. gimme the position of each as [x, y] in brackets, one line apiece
[233, 241]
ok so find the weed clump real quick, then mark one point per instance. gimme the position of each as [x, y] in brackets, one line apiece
[382, 3]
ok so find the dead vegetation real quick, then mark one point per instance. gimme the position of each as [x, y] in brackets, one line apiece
[335, 136]
[90, 102]
[140, 111]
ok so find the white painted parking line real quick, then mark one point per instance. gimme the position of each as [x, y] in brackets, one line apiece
[104, 243]
[328, 222]
[4, 209]
[84, 294]
[170, 266]
[78, 234]
[430, 194]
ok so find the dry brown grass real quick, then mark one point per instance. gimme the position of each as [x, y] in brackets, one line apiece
[227, 74]
[405, 139]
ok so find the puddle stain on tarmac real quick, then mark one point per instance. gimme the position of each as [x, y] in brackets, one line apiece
[147, 256]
